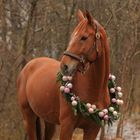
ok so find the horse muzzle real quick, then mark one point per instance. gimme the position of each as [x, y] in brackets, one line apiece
[68, 69]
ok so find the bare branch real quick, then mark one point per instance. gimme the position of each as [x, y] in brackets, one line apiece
[2, 63]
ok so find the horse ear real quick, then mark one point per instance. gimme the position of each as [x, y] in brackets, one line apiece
[89, 17]
[80, 15]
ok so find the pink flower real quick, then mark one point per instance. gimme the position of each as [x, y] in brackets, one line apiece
[72, 98]
[69, 78]
[90, 110]
[110, 76]
[114, 100]
[106, 117]
[66, 90]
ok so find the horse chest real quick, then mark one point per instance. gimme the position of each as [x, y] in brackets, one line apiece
[85, 91]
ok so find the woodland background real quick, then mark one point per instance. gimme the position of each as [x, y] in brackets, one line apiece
[34, 28]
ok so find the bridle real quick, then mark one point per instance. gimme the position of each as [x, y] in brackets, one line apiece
[82, 59]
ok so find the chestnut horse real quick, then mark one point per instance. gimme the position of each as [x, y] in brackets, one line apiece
[38, 92]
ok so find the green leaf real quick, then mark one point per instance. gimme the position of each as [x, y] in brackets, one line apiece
[82, 108]
[74, 111]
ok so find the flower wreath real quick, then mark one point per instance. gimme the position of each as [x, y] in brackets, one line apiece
[87, 110]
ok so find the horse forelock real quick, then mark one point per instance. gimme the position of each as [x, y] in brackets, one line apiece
[80, 28]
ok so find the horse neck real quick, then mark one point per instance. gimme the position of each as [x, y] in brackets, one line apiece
[97, 78]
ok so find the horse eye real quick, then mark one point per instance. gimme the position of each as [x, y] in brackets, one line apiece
[84, 37]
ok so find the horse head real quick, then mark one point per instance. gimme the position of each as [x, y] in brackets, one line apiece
[84, 46]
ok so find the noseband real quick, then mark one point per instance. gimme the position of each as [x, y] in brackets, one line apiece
[82, 59]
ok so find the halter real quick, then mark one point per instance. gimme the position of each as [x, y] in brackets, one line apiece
[82, 59]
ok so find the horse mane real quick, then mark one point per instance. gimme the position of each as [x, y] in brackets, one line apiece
[107, 56]
[102, 65]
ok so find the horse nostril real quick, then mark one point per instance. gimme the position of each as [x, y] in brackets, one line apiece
[65, 67]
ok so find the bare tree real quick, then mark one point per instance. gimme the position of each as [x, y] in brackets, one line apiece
[34, 28]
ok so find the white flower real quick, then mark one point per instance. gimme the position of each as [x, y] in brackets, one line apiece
[120, 94]
[101, 114]
[62, 88]
[65, 78]
[118, 101]
[69, 85]
[90, 110]
[113, 77]
[111, 109]
[115, 113]
[88, 105]
[121, 102]
[112, 90]
[119, 89]
[105, 111]
[74, 103]
[93, 106]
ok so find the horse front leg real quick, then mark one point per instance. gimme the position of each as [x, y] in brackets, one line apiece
[91, 133]
[67, 120]
[66, 129]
